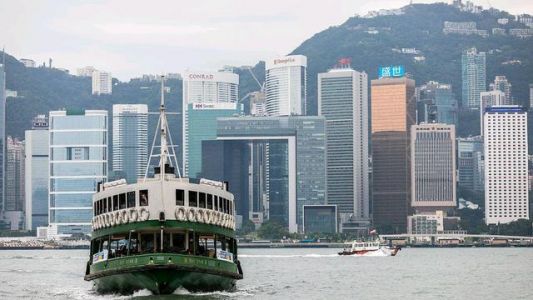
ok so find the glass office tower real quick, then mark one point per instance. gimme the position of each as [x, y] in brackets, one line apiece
[130, 141]
[393, 113]
[37, 163]
[78, 161]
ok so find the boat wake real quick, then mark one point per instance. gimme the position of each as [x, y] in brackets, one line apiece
[286, 256]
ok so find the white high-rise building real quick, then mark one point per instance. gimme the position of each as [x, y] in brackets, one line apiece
[473, 76]
[102, 83]
[207, 91]
[37, 164]
[531, 96]
[78, 162]
[506, 164]
[286, 85]
[433, 167]
[343, 101]
[488, 99]
[130, 141]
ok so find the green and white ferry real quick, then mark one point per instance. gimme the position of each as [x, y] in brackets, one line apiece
[163, 233]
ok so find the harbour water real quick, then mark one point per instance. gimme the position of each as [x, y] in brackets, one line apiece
[427, 273]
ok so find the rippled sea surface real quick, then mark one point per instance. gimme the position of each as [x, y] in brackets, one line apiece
[474, 273]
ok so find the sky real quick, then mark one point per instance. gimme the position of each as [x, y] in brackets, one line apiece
[129, 37]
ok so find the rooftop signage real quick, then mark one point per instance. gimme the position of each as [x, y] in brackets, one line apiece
[391, 71]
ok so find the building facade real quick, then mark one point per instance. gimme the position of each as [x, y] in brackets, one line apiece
[78, 161]
[211, 95]
[488, 99]
[436, 103]
[130, 141]
[502, 84]
[531, 96]
[343, 101]
[432, 167]
[393, 113]
[2, 133]
[101, 83]
[36, 172]
[506, 164]
[470, 163]
[474, 77]
[286, 86]
[296, 164]
[14, 183]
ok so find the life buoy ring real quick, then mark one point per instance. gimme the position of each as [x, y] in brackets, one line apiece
[106, 220]
[144, 214]
[180, 213]
[125, 217]
[112, 220]
[208, 217]
[200, 215]
[133, 215]
[118, 218]
[191, 214]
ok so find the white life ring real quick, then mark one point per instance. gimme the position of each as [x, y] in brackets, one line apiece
[220, 218]
[125, 216]
[133, 215]
[191, 214]
[180, 213]
[208, 217]
[200, 215]
[144, 214]
[118, 218]
[106, 220]
[112, 220]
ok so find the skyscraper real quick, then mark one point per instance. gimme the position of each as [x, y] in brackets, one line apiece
[432, 167]
[216, 92]
[470, 163]
[473, 76]
[436, 103]
[531, 96]
[506, 164]
[130, 140]
[78, 161]
[393, 112]
[502, 84]
[14, 183]
[36, 172]
[2, 131]
[343, 101]
[286, 85]
[488, 99]
[102, 83]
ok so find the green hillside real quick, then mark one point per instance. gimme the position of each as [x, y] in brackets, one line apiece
[420, 27]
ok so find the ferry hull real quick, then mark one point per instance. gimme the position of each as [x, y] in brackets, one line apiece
[162, 281]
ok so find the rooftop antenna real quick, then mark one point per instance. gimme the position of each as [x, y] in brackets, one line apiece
[166, 154]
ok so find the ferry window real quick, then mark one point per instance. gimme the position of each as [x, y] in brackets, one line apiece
[147, 243]
[131, 199]
[95, 210]
[223, 201]
[104, 201]
[115, 202]
[202, 200]
[143, 197]
[99, 207]
[215, 202]
[180, 197]
[209, 201]
[109, 205]
[193, 201]
[178, 242]
[122, 201]
[230, 210]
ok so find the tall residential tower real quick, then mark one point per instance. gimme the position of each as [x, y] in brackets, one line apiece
[474, 77]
